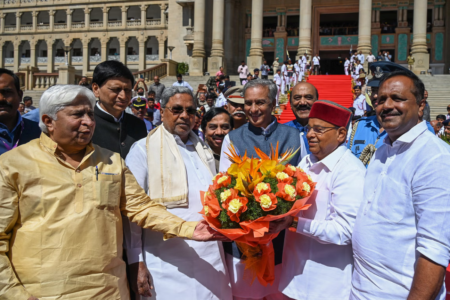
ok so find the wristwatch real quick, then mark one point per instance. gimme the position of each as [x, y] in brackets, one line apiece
[293, 227]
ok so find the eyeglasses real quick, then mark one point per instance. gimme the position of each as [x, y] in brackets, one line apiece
[319, 130]
[178, 110]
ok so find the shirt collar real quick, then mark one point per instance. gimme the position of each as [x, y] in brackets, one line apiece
[115, 119]
[266, 131]
[16, 127]
[329, 161]
[51, 145]
[409, 136]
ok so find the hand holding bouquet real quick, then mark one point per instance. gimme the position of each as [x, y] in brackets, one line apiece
[253, 192]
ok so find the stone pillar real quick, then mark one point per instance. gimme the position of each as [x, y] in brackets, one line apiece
[86, 55]
[104, 50]
[364, 36]
[51, 14]
[50, 58]
[229, 35]
[124, 16]
[34, 14]
[2, 22]
[66, 75]
[304, 39]
[105, 16]
[143, 15]
[69, 18]
[161, 49]
[18, 15]
[198, 52]
[2, 60]
[254, 60]
[32, 53]
[419, 44]
[123, 49]
[68, 42]
[216, 60]
[142, 52]
[16, 55]
[87, 18]
[163, 14]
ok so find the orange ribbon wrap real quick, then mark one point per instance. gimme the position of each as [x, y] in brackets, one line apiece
[254, 243]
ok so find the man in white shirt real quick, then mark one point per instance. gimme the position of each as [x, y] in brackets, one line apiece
[401, 238]
[346, 65]
[316, 62]
[360, 102]
[318, 257]
[297, 73]
[361, 57]
[242, 71]
[177, 267]
[181, 82]
[352, 57]
[370, 59]
[221, 100]
[285, 77]
[278, 81]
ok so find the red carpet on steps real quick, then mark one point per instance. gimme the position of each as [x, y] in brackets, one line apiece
[336, 88]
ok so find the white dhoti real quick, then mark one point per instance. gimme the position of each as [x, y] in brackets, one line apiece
[346, 71]
[278, 95]
[283, 84]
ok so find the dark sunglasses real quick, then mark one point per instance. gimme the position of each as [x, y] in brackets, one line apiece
[178, 110]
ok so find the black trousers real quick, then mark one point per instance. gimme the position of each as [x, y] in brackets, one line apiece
[264, 76]
[242, 79]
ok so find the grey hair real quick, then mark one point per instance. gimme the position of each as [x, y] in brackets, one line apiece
[58, 97]
[273, 90]
[172, 91]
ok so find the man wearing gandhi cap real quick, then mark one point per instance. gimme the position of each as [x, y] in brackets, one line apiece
[319, 241]
[235, 106]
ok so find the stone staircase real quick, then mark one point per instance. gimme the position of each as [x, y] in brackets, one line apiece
[438, 87]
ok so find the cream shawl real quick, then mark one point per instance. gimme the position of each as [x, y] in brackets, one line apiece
[167, 177]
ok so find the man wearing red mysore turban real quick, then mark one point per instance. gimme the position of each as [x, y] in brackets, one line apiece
[317, 257]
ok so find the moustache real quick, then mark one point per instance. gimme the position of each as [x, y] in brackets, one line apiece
[238, 112]
[303, 107]
[5, 103]
[390, 112]
[218, 136]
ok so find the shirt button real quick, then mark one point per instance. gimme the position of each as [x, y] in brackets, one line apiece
[79, 185]
[123, 144]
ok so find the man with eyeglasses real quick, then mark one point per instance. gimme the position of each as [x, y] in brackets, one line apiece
[319, 241]
[262, 131]
[184, 166]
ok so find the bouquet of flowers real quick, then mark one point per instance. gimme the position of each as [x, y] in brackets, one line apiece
[253, 192]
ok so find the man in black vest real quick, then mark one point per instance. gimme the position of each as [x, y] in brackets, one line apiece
[112, 84]
[261, 131]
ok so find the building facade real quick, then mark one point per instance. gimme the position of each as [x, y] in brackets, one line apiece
[208, 34]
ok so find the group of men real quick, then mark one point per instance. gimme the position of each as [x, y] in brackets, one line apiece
[95, 183]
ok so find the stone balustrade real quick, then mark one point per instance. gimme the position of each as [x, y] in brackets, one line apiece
[43, 81]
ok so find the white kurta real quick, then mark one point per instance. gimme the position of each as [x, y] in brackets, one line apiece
[184, 84]
[318, 258]
[180, 269]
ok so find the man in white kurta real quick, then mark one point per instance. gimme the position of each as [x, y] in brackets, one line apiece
[278, 81]
[317, 258]
[180, 269]
[285, 79]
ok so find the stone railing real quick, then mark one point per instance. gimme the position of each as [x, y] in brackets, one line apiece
[10, 28]
[9, 60]
[134, 23]
[148, 74]
[60, 26]
[151, 57]
[96, 24]
[60, 59]
[78, 25]
[42, 60]
[114, 57]
[131, 58]
[154, 22]
[77, 59]
[114, 23]
[43, 81]
[43, 27]
[95, 58]
[25, 60]
[26, 27]
[27, 3]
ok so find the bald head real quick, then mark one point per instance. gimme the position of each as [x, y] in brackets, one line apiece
[303, 96]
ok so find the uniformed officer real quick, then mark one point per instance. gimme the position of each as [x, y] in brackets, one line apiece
[275, 65]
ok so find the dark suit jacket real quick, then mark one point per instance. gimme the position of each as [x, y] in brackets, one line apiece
[30, 132]
[117, 137]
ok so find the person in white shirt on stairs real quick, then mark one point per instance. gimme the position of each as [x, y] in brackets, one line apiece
[181, 82]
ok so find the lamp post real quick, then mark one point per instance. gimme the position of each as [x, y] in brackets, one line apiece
[170, 49]
[67, 51]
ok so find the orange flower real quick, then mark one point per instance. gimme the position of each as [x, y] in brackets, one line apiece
[211, 208]
[221, 180]
[283, 177]
[268, 202]
[290, 170]
[235, 207]
[227, 195]
[261, 189]
[306, 187]
[286, 192]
